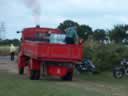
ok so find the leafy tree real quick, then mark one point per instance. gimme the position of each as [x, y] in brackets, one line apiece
[106, 56]
[9, 41]
[66, 24]
[84, 31]
[99, 34]
[118, 33]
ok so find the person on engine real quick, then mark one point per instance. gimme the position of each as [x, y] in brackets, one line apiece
[71, 35]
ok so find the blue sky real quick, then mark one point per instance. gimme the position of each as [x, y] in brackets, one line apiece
[96, 13]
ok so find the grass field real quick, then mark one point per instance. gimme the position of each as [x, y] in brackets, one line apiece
[103, 84]
[87, 85]
[4, 50]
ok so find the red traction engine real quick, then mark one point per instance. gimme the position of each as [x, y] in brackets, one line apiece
[40, 55]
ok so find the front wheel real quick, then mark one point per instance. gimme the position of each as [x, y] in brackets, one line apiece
[68, 77]
[34, 75]
[126, 71]
[118, 73]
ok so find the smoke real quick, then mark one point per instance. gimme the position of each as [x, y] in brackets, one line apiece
[34, 5]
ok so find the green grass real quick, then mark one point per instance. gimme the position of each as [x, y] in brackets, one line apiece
[4, 50]
[87, 85]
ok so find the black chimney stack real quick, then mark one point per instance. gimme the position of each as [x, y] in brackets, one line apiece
[37, 26]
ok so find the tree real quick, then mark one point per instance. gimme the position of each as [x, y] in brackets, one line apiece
[118, 33]
[99, 34]
[84, 31]
[66, 24]
[10, 41]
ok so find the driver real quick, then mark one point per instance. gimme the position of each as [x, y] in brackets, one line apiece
[71, 35]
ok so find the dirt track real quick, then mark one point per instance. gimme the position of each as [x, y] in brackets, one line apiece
[7, 65]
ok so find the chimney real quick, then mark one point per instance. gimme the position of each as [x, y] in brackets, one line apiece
[37, 26]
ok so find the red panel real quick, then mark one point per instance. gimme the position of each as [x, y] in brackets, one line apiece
[30, 48]
[35, 64]
[77, 52]
[30, 32]
[57, 70]
[43, 50]
[21, 62]
[53, 51]
[58, 51]
[49, 51]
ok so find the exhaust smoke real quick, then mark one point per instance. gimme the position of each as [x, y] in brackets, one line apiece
[34, 5]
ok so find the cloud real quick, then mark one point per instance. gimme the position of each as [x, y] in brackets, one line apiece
[97, 5]
[96, 13]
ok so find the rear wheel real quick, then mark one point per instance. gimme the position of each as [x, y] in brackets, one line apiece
[34, 69]
[68, 77]
[21, 71]
[31, 75]
[37, 75]
[118, 73]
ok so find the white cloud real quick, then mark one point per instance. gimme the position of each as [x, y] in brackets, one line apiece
[96, 13]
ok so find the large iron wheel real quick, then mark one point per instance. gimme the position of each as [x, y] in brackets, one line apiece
[21, 71]
[68, 76]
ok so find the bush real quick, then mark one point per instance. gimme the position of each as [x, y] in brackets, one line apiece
[106, 56]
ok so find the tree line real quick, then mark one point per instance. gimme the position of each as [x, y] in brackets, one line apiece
[5, 42]
[118, 34]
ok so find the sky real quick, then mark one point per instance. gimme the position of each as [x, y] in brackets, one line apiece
[17, 14]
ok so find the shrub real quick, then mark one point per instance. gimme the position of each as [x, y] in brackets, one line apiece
[106, 56]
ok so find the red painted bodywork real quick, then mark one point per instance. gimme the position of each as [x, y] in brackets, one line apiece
[30, 32]
[52, 52]
[57, 70]
[45, 52]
